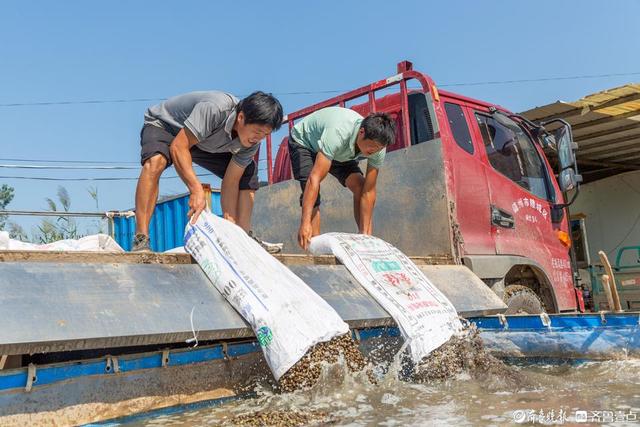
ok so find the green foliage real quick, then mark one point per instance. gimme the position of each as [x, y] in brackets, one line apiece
[6, 196]
[93, 192]
[98, 224]
[63, 227]
[50, 229]
[17, 232]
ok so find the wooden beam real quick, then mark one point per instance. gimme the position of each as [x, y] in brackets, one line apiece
[621, 155]
[595, 162]
[95, 257]
[578, 111]
[612, 280]
[607, 132]
[163, 258]
[302, 259]
[600, 176]
[606, 280]
[604, 120]
[610, 145]
[599, 170]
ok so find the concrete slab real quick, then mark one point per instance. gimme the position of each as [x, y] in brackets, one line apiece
[49, 307]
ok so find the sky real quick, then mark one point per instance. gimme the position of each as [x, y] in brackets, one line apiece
[75, 51]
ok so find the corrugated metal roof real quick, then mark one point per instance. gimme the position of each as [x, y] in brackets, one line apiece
[606, 126]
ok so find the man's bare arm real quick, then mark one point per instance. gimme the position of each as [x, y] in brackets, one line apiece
[368, 201]
[183, 163]
[231, 190]
[319, 171]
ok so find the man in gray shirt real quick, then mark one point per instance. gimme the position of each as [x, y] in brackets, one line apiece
[214, 130]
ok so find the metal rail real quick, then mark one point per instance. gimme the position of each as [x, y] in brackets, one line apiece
[405, 73]
[109, 214]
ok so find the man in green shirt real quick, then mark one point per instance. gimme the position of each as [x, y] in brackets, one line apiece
[330, 141]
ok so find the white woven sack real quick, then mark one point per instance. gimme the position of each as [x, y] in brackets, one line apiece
[286, 315]
[426, 318]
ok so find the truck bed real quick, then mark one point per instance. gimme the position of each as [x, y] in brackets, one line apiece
[55, 301]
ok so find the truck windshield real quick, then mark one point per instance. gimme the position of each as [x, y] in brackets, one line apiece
[512, 153]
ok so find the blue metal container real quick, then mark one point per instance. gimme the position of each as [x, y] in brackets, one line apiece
[168, 221]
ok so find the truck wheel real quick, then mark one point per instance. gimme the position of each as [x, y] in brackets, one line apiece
[522, 300]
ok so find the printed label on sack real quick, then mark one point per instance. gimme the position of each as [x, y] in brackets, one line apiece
[398, 280]
[425, 316]
[264, 336]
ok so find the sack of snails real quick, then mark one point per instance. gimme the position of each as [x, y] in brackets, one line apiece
[287, 316]
[425, 316]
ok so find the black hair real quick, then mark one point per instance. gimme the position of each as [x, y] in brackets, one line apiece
[261, 108]
[379, 127]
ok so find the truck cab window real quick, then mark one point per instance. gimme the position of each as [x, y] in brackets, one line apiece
[459, 127]
[419, 119]
[512, 153]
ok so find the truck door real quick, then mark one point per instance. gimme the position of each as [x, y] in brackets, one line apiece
[470, 191]
[521, 195]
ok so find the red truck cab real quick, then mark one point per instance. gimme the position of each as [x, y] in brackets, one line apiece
[505, 206]
[504, 189]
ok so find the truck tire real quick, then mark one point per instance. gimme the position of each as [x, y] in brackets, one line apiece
[522, 300]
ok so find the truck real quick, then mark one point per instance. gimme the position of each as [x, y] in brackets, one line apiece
[466, 182]
[466, 191]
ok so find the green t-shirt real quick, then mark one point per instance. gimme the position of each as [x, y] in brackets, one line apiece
[333, 132]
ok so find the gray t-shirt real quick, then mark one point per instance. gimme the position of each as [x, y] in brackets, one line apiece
[209, 116]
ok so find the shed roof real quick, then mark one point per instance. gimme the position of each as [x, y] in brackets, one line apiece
[606, 126]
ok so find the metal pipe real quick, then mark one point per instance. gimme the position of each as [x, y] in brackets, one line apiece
[109, 214]
[425, 82]
[372, 102]
[269, 161]
[405, 73]
[404, 111]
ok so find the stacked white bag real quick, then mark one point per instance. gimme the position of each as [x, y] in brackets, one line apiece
[287, 316]
[93, 243]
[426, 318]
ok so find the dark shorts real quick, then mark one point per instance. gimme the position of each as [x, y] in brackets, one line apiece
[302, 160]
[155, 140]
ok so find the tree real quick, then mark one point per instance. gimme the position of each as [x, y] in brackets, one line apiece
[49, 230]
[98, 224]
[17, 232]
[63, 227]
[6, 196]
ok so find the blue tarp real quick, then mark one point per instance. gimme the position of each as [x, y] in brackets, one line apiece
[583, 336]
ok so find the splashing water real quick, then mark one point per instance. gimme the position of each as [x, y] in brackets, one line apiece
[474, 395]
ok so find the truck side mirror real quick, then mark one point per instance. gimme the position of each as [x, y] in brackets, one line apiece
[549, 141]
[566, 147]
[568, 180]
[568, 177]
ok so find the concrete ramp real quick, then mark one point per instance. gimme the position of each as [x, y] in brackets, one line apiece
[52, 302]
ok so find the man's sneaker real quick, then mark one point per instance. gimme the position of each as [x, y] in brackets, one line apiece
[272, 248]
[141, 243]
